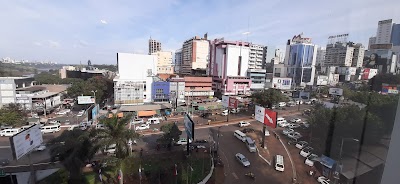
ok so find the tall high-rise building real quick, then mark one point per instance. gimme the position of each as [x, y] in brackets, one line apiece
[371, 41]
[300, 60]
[178, 60]
[164, 62]
[358, 55]
[339, 54]
[384, 32]
[195, 56]
[395, 38]
[154, 46]
[257, 57]
[321, 52]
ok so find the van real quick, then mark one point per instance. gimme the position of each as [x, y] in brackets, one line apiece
[279, 166]
[240, 135]
[251, 145]
[50, 129]
[280, 119]
[25, 127]
[9, 132]
[224, 113]
[73, 127]
[153, 121]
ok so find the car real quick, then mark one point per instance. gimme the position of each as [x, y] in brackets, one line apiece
[201, 147]
[143, 127]
[323, 180]
[291, 104]
[242, 159]
[293, 125]
[40, 148]
[310, 159]
[80, 113]
[137, 121]
[67, 122]
[110, 149]
[298, 102]
[295, 120]
[61, 113]
[306, 151]
[301, 144]
[183, 141]
[224, 113]
[307, 102]
[307, 112]
[4, 161]
[244, 123]
[248, 130]
[283, 124]
[294, 135]
[201, 141]
[281, 104]
[72, 127]
[287, 131]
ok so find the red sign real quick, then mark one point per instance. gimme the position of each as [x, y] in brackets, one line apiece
[365, 74]
[233, 103]
[270, 118]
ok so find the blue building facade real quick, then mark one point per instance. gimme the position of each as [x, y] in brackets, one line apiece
[396, 35]
[160, 91]
[301, 63]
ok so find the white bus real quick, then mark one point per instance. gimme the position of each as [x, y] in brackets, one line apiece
[251, 145]
[50, 129]
[240, 135]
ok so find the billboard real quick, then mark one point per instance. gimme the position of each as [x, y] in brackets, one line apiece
[382, 59]
[265, 116]
[336, 91]
[225, 101]
[25, 141]
[189, 126]
[282, 83]
[390, 89]
[85, 100]
[304, 95]
[230, 102]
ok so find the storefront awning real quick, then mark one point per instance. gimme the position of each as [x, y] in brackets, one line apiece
[146, 113]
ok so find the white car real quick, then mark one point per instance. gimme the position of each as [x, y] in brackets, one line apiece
[293, 125]
[110, 149]
[143, 127]
[183, 141]
[40, 148]
[137, 121]
[61, 112]
[281, 104]
[287, 131]
[307, 102]
[295, 120]
[306, 151]
[310, 160]
[323, 180]
[72, 127]
[294, 135]
[242, 159]
[80, 113]
[283, 124]
[244, 123]
[301, 144]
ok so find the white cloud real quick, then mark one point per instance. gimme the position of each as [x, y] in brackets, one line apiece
[53, 44]
[38, 44]
[103, 22]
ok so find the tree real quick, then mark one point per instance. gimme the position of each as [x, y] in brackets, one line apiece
[12, 115]
[103, 86]
[268, 97]
[115, 132]
[171, 133]
[73, 149]
[377, 81]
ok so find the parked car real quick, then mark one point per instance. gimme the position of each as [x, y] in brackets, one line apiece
[283, 124]
[306, 151]
[287, 131]
[295, 120]
[244, 123]
[224, 113]
[294, 135]
[310, 159]
[242, 159]
[281, 104]
[40, 148]
[80, 113]
[323, 180]
[291, 104]
[137, 121]
[301, 144]
[110, 149]
[307, 102]
[248, 130]
[183, 141]
[143, 127]
[293, 125]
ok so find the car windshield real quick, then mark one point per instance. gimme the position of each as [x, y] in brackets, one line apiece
[244, 160]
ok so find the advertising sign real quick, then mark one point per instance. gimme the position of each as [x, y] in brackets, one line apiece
[189, 126]
[85, 100]
[390, 89]
[304, 95]
[25, 141]
[225, 101]
[265, 116]
[336, 91]
[383, 60]
[233, 102]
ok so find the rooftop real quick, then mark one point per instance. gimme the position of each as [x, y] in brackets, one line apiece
[15, 77]
[32, 88]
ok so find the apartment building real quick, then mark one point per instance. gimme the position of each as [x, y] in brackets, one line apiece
[154, 46]
[257, 56]
[195, 56]
[164, 62]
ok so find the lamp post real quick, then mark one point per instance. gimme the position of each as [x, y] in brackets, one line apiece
[94, 118]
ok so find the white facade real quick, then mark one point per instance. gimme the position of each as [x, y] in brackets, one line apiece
[164, 62]
[257, 56]
[234, 67]
[384, 32]
[133, 84]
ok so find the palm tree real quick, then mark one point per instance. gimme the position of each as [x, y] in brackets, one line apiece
[114, 132]
[73, 149]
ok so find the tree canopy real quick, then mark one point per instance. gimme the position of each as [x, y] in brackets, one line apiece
[268, 97]
[171, 133]
[103, 86]
[377, 81]
[12, 115]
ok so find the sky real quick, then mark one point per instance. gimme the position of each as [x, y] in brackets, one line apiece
[75, 31]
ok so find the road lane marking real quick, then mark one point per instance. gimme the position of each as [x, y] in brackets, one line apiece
[235, 176]
[268, 162]
[290, 158]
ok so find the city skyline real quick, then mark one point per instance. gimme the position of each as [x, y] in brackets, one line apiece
[70, 32]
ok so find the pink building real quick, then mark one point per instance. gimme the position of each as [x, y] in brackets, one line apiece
[228, 67]
[198, 87]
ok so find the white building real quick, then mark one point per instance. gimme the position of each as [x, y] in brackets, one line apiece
[133, 84]
[164, 62]
[257, 56]
[384, 32]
